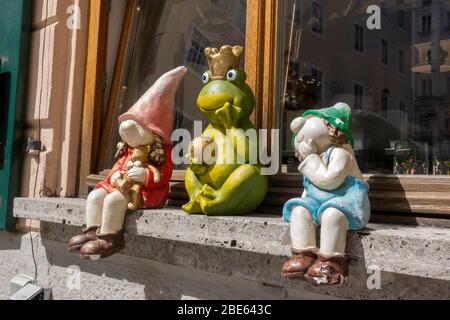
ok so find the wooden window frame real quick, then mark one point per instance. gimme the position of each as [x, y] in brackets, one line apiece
[400, 199]
[93, 88]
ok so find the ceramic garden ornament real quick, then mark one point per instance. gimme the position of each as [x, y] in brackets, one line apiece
[335, 196]
[216, 183]
[140, 178]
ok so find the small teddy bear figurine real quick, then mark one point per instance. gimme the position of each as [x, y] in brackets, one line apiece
[147, 156]
[335, 197]
[204, 147]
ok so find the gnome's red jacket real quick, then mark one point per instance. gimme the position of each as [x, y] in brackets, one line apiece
[154, 194]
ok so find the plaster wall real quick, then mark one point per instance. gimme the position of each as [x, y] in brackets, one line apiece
[55, 97]
[121, 277]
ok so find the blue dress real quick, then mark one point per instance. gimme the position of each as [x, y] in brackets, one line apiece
[351, 198]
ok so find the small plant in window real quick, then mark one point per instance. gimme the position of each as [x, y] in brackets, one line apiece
[441, 167]
[335, 197]
[140, 178]
[447, 166]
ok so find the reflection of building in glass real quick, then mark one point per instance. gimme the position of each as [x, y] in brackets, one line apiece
[196, 56]
[174, 33]
[368, 69]
[431, 71]
[397, 77]
[214, 29]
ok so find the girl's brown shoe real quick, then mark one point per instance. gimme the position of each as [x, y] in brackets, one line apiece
[89, 234]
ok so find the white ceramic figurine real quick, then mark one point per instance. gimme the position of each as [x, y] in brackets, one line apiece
[335, 197]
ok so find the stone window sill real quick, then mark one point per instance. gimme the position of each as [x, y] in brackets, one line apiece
[254, 247]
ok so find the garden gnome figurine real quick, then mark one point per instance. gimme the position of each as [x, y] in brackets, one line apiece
[140, 178]
[335, 196]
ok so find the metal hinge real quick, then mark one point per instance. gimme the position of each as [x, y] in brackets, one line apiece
[34, 147]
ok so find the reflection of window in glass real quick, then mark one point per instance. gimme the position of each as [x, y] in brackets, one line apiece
[220, 4]
[240, 15]
[298, 14]
[359, 38]
[447, 121]
[318, 20]
[427, 87]
[384, 9]
[424, 122]
[384, 102]
[401, 106]
[447, 86]
[401, 19]
[426, 23]
[426, 3]
[401, 61]
[358, 92]
[384, 52]
[196, 57]
[316, 74]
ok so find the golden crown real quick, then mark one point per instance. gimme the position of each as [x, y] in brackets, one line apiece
[223, 60]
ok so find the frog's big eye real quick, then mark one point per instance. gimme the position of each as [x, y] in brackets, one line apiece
[232, 75]
[205, 78]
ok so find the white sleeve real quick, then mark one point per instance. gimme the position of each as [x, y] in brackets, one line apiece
[304, 194]
[327, 177]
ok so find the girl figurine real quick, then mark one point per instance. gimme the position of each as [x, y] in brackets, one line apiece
[335, 197]
[147, 127]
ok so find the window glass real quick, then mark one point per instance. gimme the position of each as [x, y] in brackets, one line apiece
[317, 15]
[426, 23]
[401, 18]
[358, 95]
[170, 33]
[359, 38]
[401, 61]
[384, 52]
[392, 69]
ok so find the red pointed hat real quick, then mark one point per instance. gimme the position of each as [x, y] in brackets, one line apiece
[154, 110]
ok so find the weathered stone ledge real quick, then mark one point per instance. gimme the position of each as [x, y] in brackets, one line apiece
[253, 247]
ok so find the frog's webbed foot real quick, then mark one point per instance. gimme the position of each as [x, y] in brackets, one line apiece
[193, 187]
[208, 198]
[192, 207]
[208, 192]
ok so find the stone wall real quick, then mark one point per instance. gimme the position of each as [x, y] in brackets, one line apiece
[122, 277]
[171, 255]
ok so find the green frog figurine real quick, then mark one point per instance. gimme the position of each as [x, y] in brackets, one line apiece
[231, 182]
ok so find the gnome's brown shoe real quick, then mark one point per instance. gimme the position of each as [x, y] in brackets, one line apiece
[88, 234]
[328, 271]
[106, 245]
[298, 264]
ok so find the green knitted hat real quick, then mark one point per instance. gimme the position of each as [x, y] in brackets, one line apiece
[339, 115]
